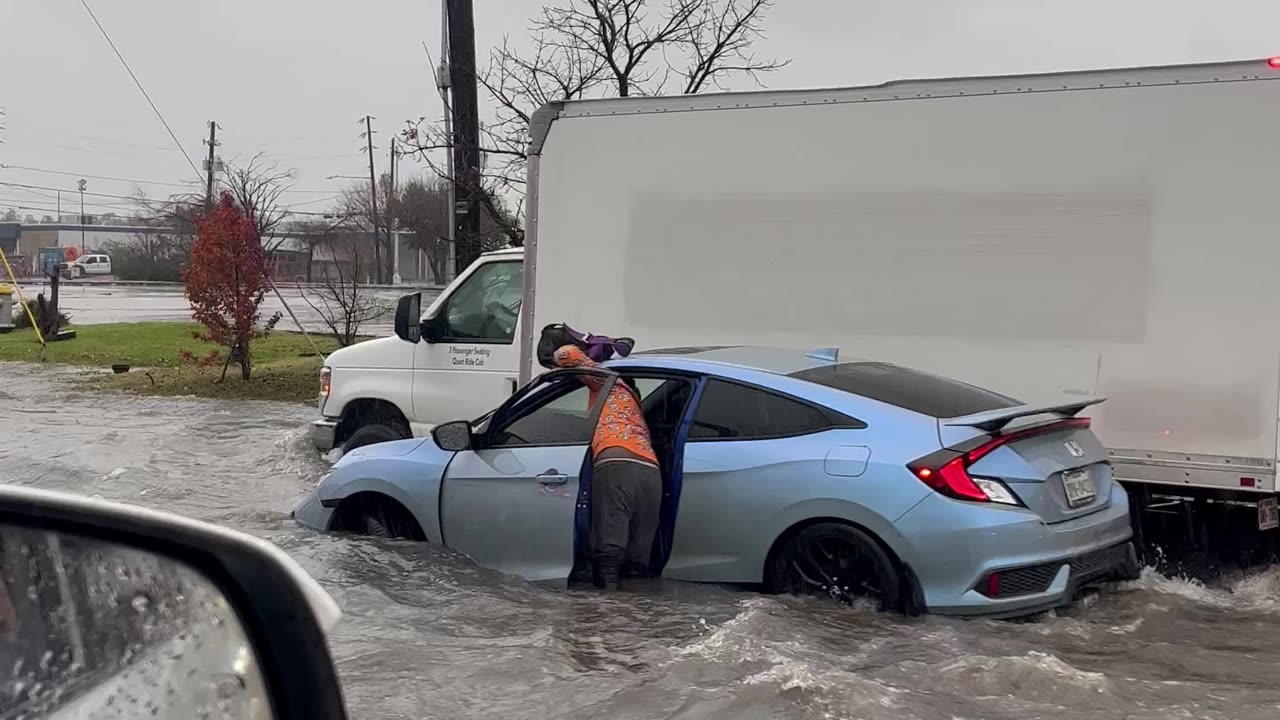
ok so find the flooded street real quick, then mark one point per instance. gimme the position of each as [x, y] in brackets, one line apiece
[428, 635]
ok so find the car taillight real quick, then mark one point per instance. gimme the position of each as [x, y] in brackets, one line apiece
[948, 477]
[325, 375]
[947, 471]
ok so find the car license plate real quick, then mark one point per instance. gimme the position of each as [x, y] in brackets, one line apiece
[1268, 516]
[1078, 485]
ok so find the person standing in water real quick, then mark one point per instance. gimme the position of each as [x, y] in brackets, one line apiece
[626, 482]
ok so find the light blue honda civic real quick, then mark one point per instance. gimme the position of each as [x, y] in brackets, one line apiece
[790, 470]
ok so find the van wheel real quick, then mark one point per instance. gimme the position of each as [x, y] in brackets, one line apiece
[372, 434]
[839, 562]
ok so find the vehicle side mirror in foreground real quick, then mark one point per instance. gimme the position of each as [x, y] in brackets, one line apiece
[409, 318]
[110, 611]
[453, 436]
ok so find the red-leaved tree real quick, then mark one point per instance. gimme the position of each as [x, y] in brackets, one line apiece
[226, 279]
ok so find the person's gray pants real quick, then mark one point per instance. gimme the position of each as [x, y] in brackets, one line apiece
[626, 496]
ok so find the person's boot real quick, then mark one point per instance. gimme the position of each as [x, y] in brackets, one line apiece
[608, 578]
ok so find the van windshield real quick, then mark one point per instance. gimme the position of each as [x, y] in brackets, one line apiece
[906, 388]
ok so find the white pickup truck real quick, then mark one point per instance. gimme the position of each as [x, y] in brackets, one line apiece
[1105, 232]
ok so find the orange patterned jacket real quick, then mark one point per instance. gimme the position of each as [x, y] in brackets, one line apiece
[621, 423]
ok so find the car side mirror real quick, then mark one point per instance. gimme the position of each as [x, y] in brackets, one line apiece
[453, 436]
[408, 314]
[143, 613]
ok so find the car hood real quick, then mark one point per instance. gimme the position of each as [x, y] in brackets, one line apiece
[386, 353]
[392, 449]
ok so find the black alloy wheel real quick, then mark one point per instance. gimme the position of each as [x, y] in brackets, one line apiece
[839, 562]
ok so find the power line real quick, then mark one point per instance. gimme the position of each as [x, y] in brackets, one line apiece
[97, 139]
[131, 180]
[95, 177]
[46, 187]
[141, 89]
[312, 202]
[37, 192]
[49, 208]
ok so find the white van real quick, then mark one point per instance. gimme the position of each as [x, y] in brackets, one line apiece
[468, 361]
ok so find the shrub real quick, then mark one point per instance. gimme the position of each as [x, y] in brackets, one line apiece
[21, 320]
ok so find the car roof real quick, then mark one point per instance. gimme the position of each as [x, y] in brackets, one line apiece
[778, 361]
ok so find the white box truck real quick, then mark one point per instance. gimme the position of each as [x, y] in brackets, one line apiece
[1103, 232]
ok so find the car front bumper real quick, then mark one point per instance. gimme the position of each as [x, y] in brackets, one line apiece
[323, 433]
[954, 547]
[311, 513]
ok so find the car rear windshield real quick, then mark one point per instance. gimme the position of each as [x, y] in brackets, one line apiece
[916, 391]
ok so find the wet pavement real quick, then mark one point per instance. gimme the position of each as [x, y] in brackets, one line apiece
[428, 635]
[92, 303]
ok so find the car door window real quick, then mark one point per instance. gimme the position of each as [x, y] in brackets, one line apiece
[485, 308]
[728, 411]
[559, 417]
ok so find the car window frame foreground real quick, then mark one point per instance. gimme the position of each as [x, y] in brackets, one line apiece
[284, 623]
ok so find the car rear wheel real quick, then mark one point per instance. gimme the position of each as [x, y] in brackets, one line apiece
[374, 433]
[839, 562]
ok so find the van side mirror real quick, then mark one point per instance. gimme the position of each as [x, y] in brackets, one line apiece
[431, 328]
[409, 318]
[453, 436]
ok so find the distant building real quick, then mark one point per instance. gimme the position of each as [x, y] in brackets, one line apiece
[23, 241]
[9, 237]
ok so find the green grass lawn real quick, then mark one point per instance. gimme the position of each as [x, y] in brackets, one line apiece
[284, 365]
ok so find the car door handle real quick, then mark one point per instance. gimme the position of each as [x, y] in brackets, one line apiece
[553, 477]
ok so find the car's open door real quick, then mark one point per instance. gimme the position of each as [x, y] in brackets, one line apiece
[509, 503]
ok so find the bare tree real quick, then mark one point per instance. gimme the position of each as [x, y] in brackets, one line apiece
[356, 206]
[256, 186]
[599, 48]
[337, 296]
[424, 210]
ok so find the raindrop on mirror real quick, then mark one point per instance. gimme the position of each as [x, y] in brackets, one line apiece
[90, 629]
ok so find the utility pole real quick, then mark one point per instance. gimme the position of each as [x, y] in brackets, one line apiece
[466, 129]
[443, 84]
[81, 184]
[210, 165]
[392, 220]
[373, 196]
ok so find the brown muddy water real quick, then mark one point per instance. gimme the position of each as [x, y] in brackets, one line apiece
[428, 635]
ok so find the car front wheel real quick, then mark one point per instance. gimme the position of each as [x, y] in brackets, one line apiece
[374, 433]
[839, 562]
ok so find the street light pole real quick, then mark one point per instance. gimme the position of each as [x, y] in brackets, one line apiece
[392, 203]
[82, 185]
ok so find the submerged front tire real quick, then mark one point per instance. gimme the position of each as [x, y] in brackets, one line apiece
[836, 561]
[375, 527]
[374, 433]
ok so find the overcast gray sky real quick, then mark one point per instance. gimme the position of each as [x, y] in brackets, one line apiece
[291, 77]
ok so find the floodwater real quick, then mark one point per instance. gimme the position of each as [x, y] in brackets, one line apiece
[95, 303]
[428, 635]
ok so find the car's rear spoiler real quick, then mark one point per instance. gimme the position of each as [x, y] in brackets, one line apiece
[994, 420]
